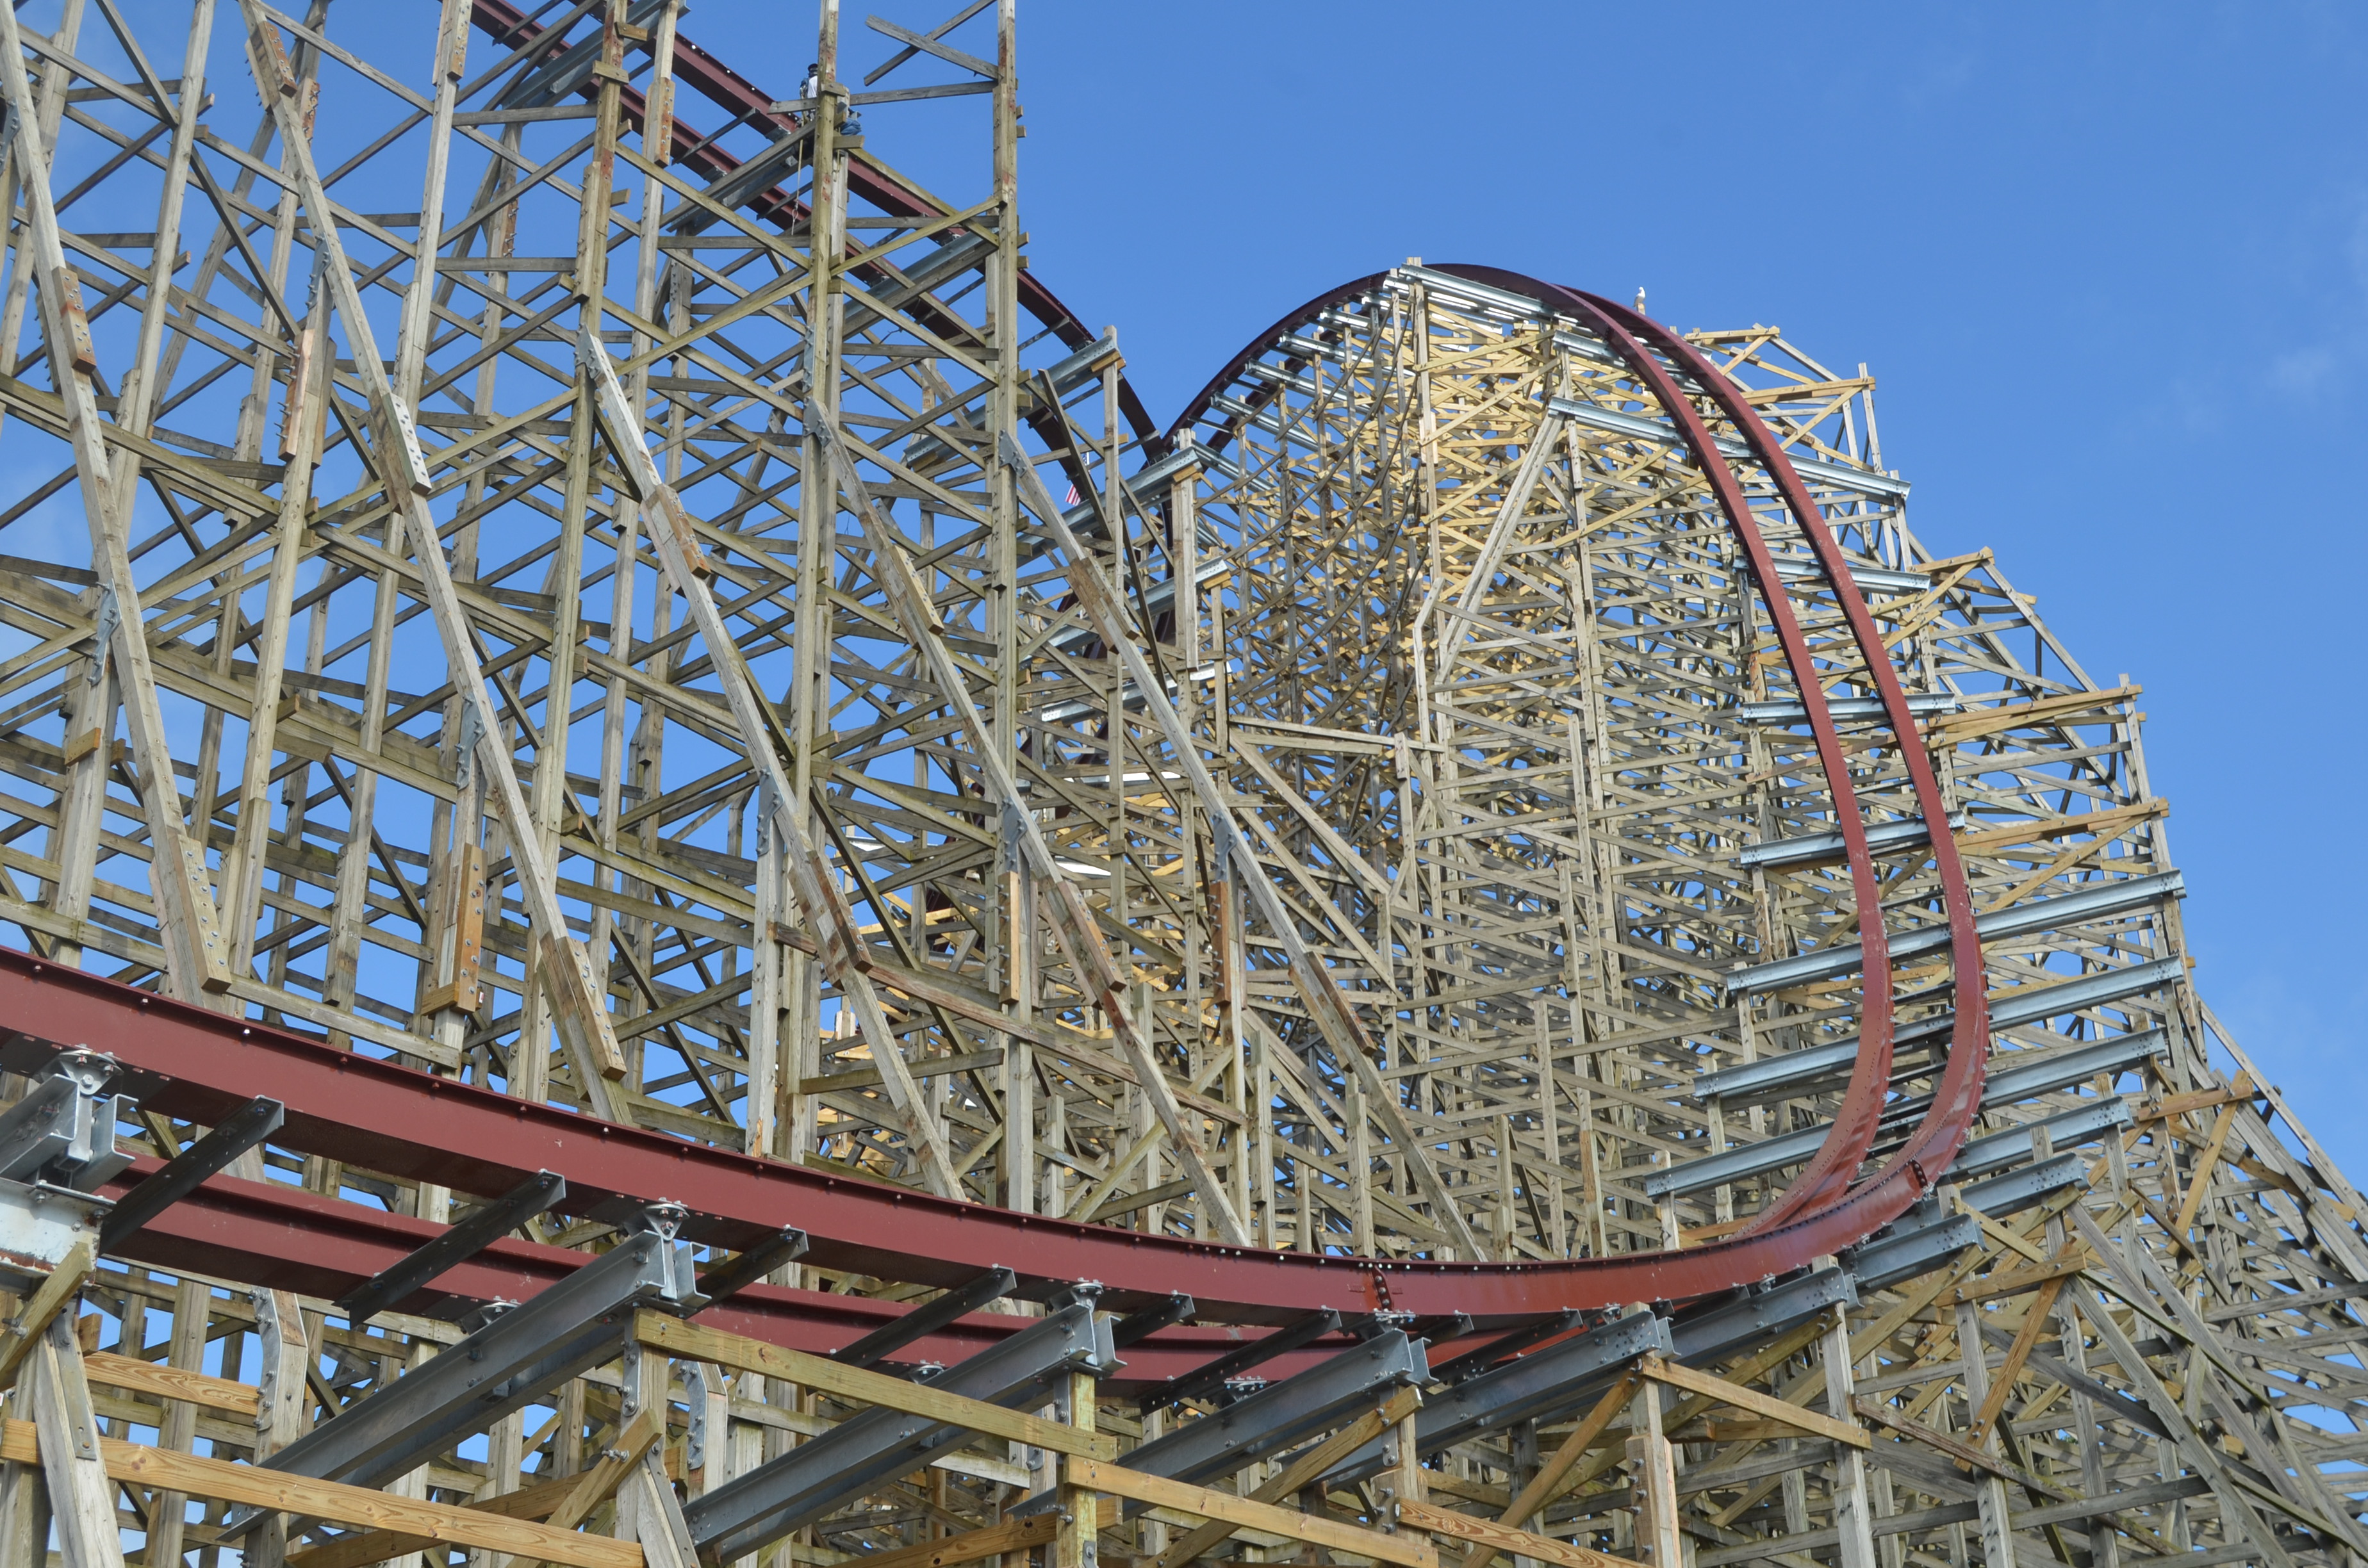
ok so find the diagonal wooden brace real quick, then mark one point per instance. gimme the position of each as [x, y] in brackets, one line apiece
[580, 1009]
[1074, 920]
[1330, 1010]
[844, 951]
[197, 950]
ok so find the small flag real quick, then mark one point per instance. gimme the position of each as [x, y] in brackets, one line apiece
[1072, 497]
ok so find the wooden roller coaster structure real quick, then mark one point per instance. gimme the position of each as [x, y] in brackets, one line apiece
[682, 894]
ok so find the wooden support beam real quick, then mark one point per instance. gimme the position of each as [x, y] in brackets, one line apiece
[81, 1503]
[2035, 1324]
[360, 1507]
[596, 1485]
[1161, 1492]
[580, 1004]
[1493, 1537]
[975, 1546]
[1720, 1390]
[1311, 978]
[1304, 1470]
[1950, 729]
[690, 1342]
[2199, 1180]
[843, 949]
[2014, 1282]
[1655, 1485]
[1540, 1488]
[2173, 1106]
[58, 1288]
[1088, 954]
[1966, 1457]
[2103, 825]
[168, 1382]
[361, 1550]
[197, 948]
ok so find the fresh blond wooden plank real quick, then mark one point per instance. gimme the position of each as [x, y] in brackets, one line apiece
[2200, 1099]
[2015, 1282]
[359, 1550]
[1966, 1456]
[1502, 1538]
[355, 1506]
[1542, 1485]
[594, 1487]
[971, 1546]
[678, 1338]
[1306, 1467]
[1752, 1399]
[1977, 722]
[2104, 823]
[2035, 1324]
[1157, 1490]
[161, 1382]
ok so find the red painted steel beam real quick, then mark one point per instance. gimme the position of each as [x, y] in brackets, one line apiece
[192, 1063]
[276, 1237]
[1957, 1099]
[1821, 1211]
[188, 1063]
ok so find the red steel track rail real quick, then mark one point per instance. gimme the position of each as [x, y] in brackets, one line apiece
[196, 1064]
[188, 1063]
[275, 1236]
[1821, 1211]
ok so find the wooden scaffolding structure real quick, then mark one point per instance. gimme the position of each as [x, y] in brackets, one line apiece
[529, 558]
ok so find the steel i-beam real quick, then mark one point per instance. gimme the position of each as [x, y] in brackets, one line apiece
[1286, 1413]
[749, 1511]
[518, 1356]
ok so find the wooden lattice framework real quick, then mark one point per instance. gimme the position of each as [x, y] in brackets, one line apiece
[1421, 606]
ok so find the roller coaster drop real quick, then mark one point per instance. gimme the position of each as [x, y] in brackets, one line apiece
[1473, 948]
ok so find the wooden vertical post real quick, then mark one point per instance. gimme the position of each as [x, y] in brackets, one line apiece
[1853, 1512]
[1231, 983]
[198, 956]
[413, 1483]
[760, 1112]
[1075, 1546]
[1989, 1492]
[1017, 1155]
[24, 1513]
[1523, 1453]
[647, 1497]
[504, 1458]
[81, 1498]
[809, 694]
[403, 469]
[1655, 1465]
[1402, 1481]
[550, 952]
[1361, 1166]
[186, 1351]
[1556, 1244]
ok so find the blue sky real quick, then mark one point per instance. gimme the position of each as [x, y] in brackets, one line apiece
[2111, 263]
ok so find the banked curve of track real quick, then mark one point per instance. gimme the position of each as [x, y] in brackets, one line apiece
[199, 1064]
[1822, 1211]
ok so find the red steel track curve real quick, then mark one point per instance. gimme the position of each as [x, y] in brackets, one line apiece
[192, 1063]
[1820, 1212]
